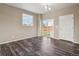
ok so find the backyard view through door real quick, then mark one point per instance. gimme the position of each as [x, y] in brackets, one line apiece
[48, 27]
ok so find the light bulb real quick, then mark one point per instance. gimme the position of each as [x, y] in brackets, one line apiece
[49, 9]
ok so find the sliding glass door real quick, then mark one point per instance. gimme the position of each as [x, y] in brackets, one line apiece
[48, 28]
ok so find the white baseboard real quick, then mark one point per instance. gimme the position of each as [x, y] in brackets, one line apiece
[30, 37]
[75, 42]
[71, 41]
[15, 40]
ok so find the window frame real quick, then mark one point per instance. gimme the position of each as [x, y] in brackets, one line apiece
[26, 23]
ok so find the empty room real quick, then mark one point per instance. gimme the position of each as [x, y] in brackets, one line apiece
[39, 29]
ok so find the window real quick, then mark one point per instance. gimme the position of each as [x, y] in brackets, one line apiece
[45, 22]
[51, 22]
[48, 22]
[27, 20]
[66, 27]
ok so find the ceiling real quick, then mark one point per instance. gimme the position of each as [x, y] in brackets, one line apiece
[39, 8]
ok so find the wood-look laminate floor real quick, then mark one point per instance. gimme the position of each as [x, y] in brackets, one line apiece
[39, 46]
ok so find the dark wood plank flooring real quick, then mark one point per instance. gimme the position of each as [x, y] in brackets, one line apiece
[39, 46]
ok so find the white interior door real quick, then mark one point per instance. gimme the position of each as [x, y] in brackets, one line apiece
[66, 27]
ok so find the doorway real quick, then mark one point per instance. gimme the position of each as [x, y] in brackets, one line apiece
[48, 28]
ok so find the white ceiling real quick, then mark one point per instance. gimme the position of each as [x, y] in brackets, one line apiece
[39, 8]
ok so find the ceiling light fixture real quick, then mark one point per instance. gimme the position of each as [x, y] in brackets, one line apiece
[47, 6]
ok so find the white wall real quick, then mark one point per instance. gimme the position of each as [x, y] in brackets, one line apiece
[11, 28]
